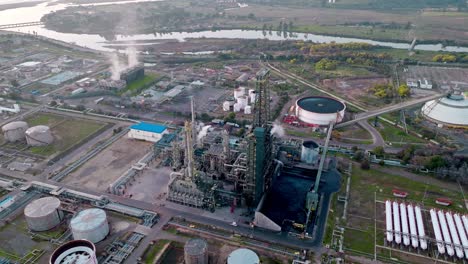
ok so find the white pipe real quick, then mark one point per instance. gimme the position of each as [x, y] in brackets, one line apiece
[461, 232]
[454, 234]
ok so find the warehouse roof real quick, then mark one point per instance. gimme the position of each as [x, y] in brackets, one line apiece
[149, 127]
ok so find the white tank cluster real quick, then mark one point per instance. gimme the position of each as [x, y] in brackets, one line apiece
[450, 231]
[76, 251]
[39, 136]
[90, 224]
[404, 225]
[242, 100]
[43, 214]
[15, 131]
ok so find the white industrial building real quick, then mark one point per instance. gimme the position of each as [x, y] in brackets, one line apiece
[147, 132]
[452, 110]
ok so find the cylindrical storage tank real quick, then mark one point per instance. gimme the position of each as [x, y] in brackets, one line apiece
[196, 251]
[15, 131]
[253, 97]
[310, 152]
[76, 251]
[43, 214]
[238, 93]
[242, 89]
[454, 235]
[90, 224]
[237, 107]
[388, 220]
[243, 256]
[248, 110]
[412, 224]
[437, 232]
[421, 231]
[39, 136]
[404, 225]
[318, 110]
[446, 233]
[462, 233]
[226, 106]
[396, 222]
[242, 101]
[251, 91]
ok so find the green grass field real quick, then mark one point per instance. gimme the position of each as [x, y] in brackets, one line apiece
[66, 131]
[152, 251]
[394, 134]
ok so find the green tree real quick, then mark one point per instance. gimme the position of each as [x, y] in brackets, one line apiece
[436, 162]
[379, 151]
[404, 90]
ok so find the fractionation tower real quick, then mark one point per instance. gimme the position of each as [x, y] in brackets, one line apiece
[211, 168]
[259, 159]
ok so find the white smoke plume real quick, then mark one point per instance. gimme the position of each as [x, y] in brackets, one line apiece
[116, 67]
[132, 56]
[202, 133]
[277, 130]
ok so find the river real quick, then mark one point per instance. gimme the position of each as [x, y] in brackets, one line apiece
[97, 42]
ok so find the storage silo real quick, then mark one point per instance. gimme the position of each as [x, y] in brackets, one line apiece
[226, 106]
[242, 101]
[238, 92]
[196, 251]
[237, 107]
[43, 214]
[243, 256]
[39, 136]
[253, 97]
[90, 224]
[75, 251]
[248, 110]
[14, 131]
[310, 152]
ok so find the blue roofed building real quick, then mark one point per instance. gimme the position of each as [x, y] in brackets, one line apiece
[147, 131]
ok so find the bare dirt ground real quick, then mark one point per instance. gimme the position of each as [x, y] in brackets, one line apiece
[442, 77]
[356, 89]
[106, 167]
[151, 185]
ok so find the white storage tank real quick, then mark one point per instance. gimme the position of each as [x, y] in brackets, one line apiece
[319, 110]
[15, 131]
[76, 251]
[226, 106]
[237, 107]
[243, 256]
[43, 214]
[196, 251]
[242, 101]
[238, 92]
[251, 91]
[90, 224]
[248, 110]
[39, 136]
[310, 152]
[253, 97]
[242, 88]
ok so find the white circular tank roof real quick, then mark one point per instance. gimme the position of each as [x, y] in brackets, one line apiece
[243, 256]
[15, 125]
[38, 129]
[447, 110]
[42, 207]
[88, 219]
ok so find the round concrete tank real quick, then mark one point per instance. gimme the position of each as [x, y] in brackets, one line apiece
[226, 106]
[242, 101]
[239, 92]
[451, 111]
[310, 152]
[237, 107]
[43, 214]
[248, 110]
[196, 251]
[14, 131]
[320, 111]
[76, 251]
[90, 224]
[243, 256]
[39, 136]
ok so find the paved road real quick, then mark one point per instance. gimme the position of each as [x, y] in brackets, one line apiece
[377, 138]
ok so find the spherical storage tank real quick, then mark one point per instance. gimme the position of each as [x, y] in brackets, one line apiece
[39, 136]
[318, 110]
[310, 152]
[196, 251]
[452, 110]
[76, 251]
[14, 131]
[243, 256]
[43, 214]
[90, 224]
